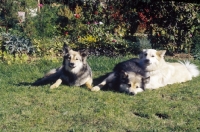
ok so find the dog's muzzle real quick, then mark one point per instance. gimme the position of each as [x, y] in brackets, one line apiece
[147, 62]
[71, 65]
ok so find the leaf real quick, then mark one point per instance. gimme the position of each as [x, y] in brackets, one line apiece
[182, 46]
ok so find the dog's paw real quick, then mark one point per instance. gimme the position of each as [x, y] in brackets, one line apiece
[96, 88]
[56, 84]
[53, 86]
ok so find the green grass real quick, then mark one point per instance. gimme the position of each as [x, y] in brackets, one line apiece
[26, 108]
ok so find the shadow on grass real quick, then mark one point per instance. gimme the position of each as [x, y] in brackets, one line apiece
[114, 87]
[96, 81]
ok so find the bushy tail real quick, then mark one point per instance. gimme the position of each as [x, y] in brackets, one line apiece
[50, 77]
[52, 71]
[192, 68]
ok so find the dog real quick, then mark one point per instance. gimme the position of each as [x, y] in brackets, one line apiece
[127, 76]
[162, 73]
[74, 71]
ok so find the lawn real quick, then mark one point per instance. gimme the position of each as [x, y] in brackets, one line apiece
[37, 109]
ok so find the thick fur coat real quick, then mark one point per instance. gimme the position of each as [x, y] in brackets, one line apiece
[127, 76]
[163, 73]
[75, 70]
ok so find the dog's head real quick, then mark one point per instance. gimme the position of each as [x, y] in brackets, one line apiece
[74, 60]
[152, 58]
[131, 83]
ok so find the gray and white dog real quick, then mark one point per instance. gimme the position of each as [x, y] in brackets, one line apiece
[127, 76]
[75, 70]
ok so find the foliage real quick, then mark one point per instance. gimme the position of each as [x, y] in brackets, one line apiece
[196, 48]
[44, 24]
[15, 48]
[104, 27]
[171, 25]
[48, 47]
[8, 13]
[85, 30]
[150, 18]
[17, 45]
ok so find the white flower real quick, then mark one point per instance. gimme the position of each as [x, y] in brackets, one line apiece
[100, 23]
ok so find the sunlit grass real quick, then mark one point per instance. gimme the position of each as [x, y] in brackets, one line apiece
[26, 108]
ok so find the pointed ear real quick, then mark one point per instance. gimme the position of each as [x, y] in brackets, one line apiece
[161, 53]
[84, 53]
[144, 50]
[141, 53]
[66, 49]
[146, 79]
[123, 75]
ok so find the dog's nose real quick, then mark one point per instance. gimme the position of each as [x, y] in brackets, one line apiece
[71, 64]
[146, 60]
[132, 93]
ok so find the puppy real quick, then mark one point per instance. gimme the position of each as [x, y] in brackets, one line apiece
[126, 77]
[130, 82]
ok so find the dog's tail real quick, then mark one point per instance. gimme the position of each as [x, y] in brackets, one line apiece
[50, 77]
[192, 68]
[52, 71]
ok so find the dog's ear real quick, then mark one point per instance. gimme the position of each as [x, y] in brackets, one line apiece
[84, 53]
[141, 53]
[123, 74]
[144, 50]
[161, 53]
[66, 48]
[145, 79]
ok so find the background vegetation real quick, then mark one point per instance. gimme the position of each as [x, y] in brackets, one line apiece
[25, 108]
[105, 27]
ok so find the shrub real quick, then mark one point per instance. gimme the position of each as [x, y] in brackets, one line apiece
[107, 27]
[15, 48]
[16, 45]
[47, 47]
[171, 25]
[196, 48]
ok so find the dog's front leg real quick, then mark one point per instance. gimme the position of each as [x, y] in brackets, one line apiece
[56, 84]
[89, 83]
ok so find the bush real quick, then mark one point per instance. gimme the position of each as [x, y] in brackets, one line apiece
[196, 48]
[108, 28]
[166, 24]
[16, 45]
[15, 48]
[171, 25]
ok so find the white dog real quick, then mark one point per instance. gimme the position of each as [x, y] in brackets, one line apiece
[162, 73]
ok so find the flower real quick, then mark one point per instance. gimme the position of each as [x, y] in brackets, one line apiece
[190, 35]
[100, 23]
[77, 15]
[114, 40]
[40, 5]
[66, 33]
[95, 23]
[96, 12]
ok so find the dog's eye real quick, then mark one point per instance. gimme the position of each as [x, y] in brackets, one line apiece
[137, 86]
[152, 56]
[129, 85]
[145, 54]
[76, 58]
